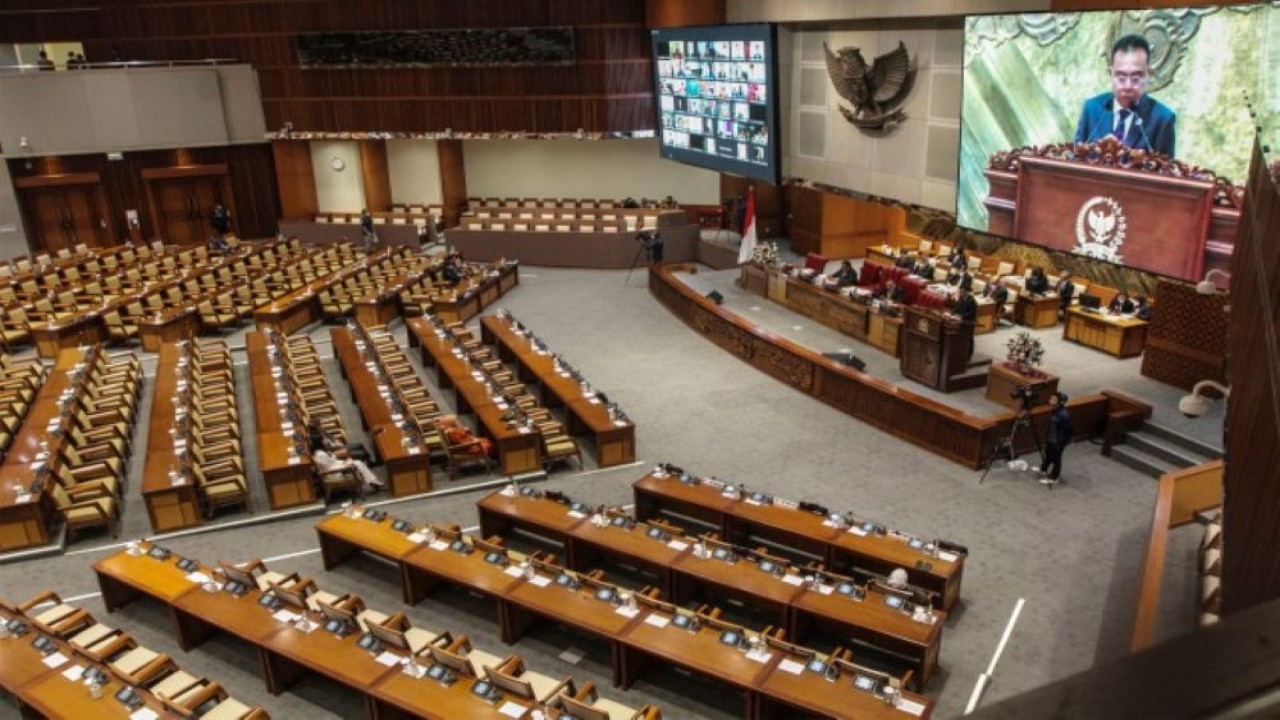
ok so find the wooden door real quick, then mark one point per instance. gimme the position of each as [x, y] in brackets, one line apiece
[63, 216]
[183, 205]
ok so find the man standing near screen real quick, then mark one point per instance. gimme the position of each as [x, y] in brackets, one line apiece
[1127, 112]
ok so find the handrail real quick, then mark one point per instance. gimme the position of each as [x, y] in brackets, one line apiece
[124, 65]
[1182, 494]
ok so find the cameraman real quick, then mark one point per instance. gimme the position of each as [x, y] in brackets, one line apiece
[1058, 438]
[652, 241]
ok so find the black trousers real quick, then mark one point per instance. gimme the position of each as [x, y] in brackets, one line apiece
[1052, 465]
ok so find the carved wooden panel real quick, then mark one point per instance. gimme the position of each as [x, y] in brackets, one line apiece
[1187, 340]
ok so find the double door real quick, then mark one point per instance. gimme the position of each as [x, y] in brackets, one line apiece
[63, 216]
[183, 206]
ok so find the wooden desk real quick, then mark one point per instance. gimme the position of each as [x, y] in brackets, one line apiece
[871, 621]
[180, 323]
[700, 652]
[739, 579]
[742, 522]
[54, 696]
[408, 466]
[518, 452]
[1036, 312]
[788, 690]
[122, 578]
[400, 695]
[284, 460]
[429, 565]
[84, 328]
[29, 518]
[553, 521]
[476, 294]
[1003, 381]
[342, 536]
[170, 506]
[587, 542]
[1120, 336]
[578, 608]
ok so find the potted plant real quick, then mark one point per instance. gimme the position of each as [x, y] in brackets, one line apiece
[765, 254]
[1025, 354]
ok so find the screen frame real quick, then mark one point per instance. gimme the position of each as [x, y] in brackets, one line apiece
[771, 172]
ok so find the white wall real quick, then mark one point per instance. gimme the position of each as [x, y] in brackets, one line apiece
[13, 239]
[338, 190]
[414, 167]
[583, 169]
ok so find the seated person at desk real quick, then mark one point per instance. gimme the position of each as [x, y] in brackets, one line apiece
[960, 278]
[846, 276]
[318, 439]
[327, 463]
[891, 292]
[957, 259]
[998, 294]
[923, 269]
[1037, 282]
[1065, 290]
[1122, 305]
[461, 439]
[903, 260]
[451, 273]
[1142, 308]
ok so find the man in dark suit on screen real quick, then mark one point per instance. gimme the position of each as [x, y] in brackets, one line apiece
[1127, 112]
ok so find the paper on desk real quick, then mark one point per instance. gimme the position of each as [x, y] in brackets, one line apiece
[678, 545]
[294, 460]
[22, 498]
[73, 673]
[628, 612]
[198, 578]
[826, 589]
[511, 709]
[416, 537]
[621, 423]
[525, 431]
[793, 580]
[791, 666]
[284, 616]
[759, 656]
[540, 581]
[144, 714]
[415, 451]
[911, 706]
[439, 545]
[949, 557]
[54, 660]
[389, 659]
[858, 531]
[514, 570]
[658, 620]
[575, 513]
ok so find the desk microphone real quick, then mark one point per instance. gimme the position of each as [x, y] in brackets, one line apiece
[1138, 122]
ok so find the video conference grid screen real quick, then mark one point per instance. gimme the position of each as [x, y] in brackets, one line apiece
[716, 91]
[1056, 79]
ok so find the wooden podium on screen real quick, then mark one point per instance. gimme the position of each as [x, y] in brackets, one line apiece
[1163, 223]
[935, 351]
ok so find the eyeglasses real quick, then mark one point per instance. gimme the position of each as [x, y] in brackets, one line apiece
[1132, 80]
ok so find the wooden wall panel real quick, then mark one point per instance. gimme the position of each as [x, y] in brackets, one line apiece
[250, 166]
[610, 36]
[296, 178]
[453, 180]
[376, 176]
[770, 202]
[683, 13]
[1251, 529]
[1187, 340]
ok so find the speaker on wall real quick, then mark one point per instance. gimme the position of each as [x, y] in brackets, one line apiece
[715, 297]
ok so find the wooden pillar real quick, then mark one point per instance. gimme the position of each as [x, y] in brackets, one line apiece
[296, 179]
[682, 13]
[377, 179]
[453, 180]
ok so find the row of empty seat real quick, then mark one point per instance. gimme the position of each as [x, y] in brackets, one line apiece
[19, 383]
[121, 666]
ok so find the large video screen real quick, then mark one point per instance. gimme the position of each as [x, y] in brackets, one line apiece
[1116, 135]
[717, 98]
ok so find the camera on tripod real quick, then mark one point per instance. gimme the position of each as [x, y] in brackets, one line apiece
[651, 242]
[1026, 394]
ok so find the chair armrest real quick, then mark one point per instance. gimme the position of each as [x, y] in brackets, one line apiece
[47, 596]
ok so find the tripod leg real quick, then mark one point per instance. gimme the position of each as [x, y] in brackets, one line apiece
[634, 263]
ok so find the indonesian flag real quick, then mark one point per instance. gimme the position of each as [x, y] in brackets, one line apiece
[749, 238]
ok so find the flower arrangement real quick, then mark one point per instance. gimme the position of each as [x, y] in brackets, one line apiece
[765, 253]
[1025, 353]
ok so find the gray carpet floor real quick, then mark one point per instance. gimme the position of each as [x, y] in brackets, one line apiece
[1073, 553]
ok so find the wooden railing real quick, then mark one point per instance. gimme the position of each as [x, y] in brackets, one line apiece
[1182, 494]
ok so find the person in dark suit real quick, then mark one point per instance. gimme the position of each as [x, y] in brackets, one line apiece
[1142, 309]
[891, 292]
[220, 219]
[961, 278]
[846, 276]
[904, 261]
[1037, 282]
[1065, 290]
[1122, 305]
[1057, 440]
[1127, 112]
[999, 294]
[366, 227]
[958, 259]
[966, 308]
[923, 269]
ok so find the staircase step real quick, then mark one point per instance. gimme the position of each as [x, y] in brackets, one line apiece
[1156, 445]
[1199, 447]
[1141, 461]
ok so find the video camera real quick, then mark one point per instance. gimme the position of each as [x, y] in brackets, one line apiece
[1026, 394]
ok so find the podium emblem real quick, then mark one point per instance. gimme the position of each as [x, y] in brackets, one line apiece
[1100, 229]
[923, 325]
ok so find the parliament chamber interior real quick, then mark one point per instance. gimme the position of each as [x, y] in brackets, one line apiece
[639, 359]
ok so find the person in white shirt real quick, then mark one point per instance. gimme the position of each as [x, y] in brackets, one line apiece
[327, 463]
[898, 579]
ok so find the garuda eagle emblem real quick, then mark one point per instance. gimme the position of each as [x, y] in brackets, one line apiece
[876, 92]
